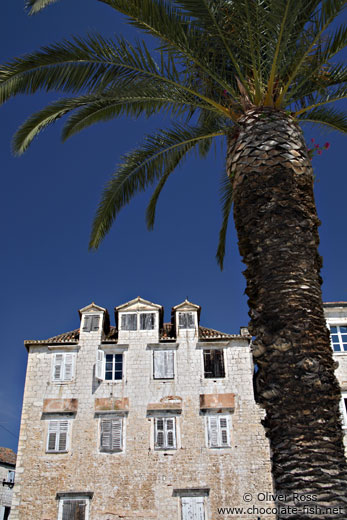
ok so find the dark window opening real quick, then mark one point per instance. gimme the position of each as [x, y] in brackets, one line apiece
[214, 363]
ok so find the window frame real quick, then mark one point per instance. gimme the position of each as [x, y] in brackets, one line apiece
[209, 435]
[89, 327]
[74, 498]
[100, 365]
[343, 345]
[157, 352]
[165, 446]
[57, 438]
[62, 378]
[192, 314]
[204, 351]
[112, 417]
[138, 320]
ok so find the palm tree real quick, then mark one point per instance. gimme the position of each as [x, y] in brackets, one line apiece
[251, 71]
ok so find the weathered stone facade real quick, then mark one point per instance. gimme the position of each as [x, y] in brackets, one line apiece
[7, 477]
[156, 421]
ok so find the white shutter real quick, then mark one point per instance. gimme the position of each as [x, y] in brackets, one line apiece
[117, 434]
[87, 322]
[169, 364]
[95, 323]
[213, 432]
[190, 321]
[170, 433]
[159, 368]
[105, 440]
[224, 431]
[68, 366]
[159, 433]
[193, 508]
[100, 365]
[58, 367]
[63, 432]
[53, 430]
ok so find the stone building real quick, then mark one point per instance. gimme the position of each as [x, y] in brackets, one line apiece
[7, 476]
[145, 420]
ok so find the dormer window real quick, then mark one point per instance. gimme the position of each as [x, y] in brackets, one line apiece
[91, 323]
[186, 320]
[147, 320]
[129, 321]
[141, 321]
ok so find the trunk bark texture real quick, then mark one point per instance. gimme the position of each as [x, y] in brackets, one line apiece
[277, 226]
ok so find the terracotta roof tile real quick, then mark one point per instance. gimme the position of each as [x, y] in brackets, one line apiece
[166, 333]
[7, 456]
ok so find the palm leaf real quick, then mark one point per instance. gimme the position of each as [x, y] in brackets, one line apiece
[327, 117]
[35, 6]
[144, 166]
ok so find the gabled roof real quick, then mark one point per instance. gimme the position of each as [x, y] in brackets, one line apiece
[7, 456]
[92, 307]
[138, 303]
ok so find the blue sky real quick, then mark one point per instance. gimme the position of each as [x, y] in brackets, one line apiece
[49, 196]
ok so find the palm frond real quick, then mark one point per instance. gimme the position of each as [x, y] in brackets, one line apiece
[330, 96]
[226, 191]
[90, 64]
[34, 6]
[144, 166]
[165, 21]
[330, 118]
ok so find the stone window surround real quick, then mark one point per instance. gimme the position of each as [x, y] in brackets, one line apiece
[166, 413]
[58, 417]
[74, 495]
[213, 413]
[214, 345]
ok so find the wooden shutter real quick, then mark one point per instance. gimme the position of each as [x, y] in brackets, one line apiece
[87, 322]
[81, 511]
[163, 364]
[95, 323]
[193, 508]
[117, 434]
[53, 429]
[159, 433]
[213, 432]
[147, 321]
[224, 431]
[106, 434]
[170, 433]
[63, 432]
[129, 321]
[182, 320]
[74, 510]
[58, 367]
[190, 321]
[68, 366]
[100, 365]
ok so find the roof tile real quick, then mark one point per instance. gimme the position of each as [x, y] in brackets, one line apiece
[7, 456]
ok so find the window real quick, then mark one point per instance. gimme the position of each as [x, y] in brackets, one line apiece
[147, 321]
[111, 433]
[218, 431]
[163, 364]
[344, 409]
[186, 320]
[113, 367]
[57, 438]
[129, 322]
[63, 366]
[109, 367]
[193, 508]
[90, 323]
[338, 336]
[10, 476]
[73, 508]
[164, 433]
[214, 363]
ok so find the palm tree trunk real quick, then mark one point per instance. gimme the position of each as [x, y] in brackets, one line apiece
[277, 226]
